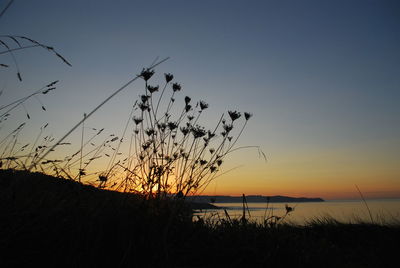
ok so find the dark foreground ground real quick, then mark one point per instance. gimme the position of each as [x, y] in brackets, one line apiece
[57, 223]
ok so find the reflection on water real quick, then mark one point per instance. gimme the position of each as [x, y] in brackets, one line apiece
[383, 211]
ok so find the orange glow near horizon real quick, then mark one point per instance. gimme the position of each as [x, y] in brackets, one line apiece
[329, 176]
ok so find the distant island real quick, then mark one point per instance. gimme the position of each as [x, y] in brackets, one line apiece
[251, 199]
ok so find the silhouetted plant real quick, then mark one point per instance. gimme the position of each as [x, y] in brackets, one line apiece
[171, 153]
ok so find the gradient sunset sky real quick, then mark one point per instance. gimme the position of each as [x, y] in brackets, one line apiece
[322, 79]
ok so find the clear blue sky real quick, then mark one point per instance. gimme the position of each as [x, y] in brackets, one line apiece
[321, 77]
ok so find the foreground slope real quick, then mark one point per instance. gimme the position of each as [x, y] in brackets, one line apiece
[54, 222]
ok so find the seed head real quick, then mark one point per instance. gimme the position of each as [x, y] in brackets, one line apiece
[234, 115]
[162, 126]
[152, 89]
[102, 178]
[184, 130]
[198, 131]
[228, 127]
[288, 209]
[137, 120]
[146, 145]
[150, 131]
[146, 74]
[144, 98]
[176, 87]
[203, 105]
[143, 106]
[168, 77]
[247, 116]
[172, 125]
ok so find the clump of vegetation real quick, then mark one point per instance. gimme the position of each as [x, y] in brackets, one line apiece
[169, 150]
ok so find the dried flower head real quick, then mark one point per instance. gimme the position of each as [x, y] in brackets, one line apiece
[198, 131]
[203, 105]
[146, 74]
[228, 127]
[152, 89]
[203, 162]
[143, 106]
[247, 116]
[176, 87]
[150, 131]
[288, 209]
[187, 100]
[168, 77]
[137, 120]
[162, 126]
[184, 130]
[234, 115]
[146, 145]
[102, 178]
[144, 98]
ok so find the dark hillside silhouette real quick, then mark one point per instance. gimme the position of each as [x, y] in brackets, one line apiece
[48, 221]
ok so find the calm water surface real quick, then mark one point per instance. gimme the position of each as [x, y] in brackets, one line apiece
[383, 211]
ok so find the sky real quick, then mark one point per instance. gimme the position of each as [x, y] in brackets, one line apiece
[321, 78]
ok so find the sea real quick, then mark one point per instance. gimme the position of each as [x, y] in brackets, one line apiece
[380, 211]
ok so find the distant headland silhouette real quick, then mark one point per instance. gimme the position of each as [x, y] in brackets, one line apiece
[251, 199]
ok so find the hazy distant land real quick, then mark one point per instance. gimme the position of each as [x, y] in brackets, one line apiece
[251, 199]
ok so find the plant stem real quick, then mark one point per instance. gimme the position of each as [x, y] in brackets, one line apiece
[95, 110]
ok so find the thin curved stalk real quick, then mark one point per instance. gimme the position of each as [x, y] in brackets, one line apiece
[95, 110]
